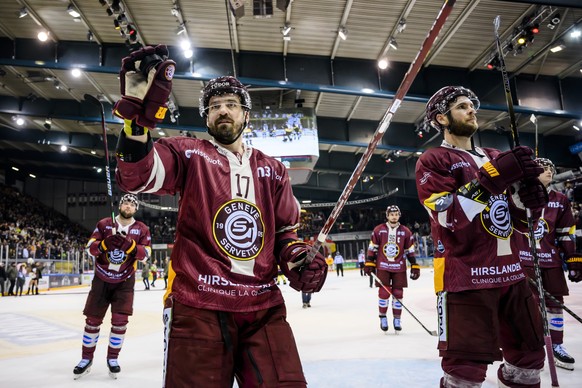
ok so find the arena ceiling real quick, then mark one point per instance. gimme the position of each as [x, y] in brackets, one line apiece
[290, 55]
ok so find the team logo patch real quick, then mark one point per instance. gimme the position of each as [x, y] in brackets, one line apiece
[440, 247]
[239, 230]
[495, 217]
[542, 229]
[391, 251]
[169, 73]
[116, 257]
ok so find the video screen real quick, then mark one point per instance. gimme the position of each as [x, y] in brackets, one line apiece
[283, 132]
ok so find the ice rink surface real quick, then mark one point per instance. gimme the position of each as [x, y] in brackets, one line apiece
[339, 339]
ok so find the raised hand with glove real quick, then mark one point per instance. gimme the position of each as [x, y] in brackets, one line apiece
[306, 277]
[574, 264]
[118, 241]
[508, 167]
[146, 83]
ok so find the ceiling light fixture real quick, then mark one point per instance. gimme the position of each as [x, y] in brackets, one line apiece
[72, 11]
[393, 44]
[42, 36]
[286, 29]
[575, 34]
[181, 29]
[576, 127]
[383, 63]
[401, 26]
[47, 123]
[15, 168]
[76, 72]
[64, 148]
[93, 152]
[557, 48]
[32, 175]
[132, 32]
[23, 12]
[343, 33]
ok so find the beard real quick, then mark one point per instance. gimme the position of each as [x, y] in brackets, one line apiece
[126, 215]
[225, 132]
[463, 129]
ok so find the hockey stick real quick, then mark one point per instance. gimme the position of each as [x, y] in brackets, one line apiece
[532, 239]
[431, 332]
[553, 299]
[93, 100]
[384, 123]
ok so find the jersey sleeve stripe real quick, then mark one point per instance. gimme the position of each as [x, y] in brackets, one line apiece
[157, 176]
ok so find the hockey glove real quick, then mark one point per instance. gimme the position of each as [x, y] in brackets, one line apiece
[414, 271]
[118, 241]
[369, 267]
[508, 167]
[306, 277]
[574, 264]
[533, 194]
[146, 83]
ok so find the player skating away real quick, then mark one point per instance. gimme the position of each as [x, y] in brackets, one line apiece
[114, 280]
[390, 245]
[225, 317]
[555, 239]
[485, 306]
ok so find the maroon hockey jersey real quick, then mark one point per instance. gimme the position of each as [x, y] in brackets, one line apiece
[390, 247]
[555, 233]
[115, 266]
[232, 213]
[471, 236]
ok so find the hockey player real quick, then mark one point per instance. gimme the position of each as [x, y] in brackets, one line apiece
[555, 235]
[225, 317]
[114, 280]
[485, 306]
[390, 244]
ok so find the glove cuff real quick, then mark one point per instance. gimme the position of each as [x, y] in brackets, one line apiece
[370, 264]
[131, 128]
[574, 258]
[415, 266]
[132, 151]
[102, 247]
[490, 179]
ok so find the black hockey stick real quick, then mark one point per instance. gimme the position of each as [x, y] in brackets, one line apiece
[553, 299]
[384, 123]
[93, 100]
[431, 332]
[532, 239]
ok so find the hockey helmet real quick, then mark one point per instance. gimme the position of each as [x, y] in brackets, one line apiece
[129, 198]
[439, 104]
[544, 162]
[223, 85]
[393, 209]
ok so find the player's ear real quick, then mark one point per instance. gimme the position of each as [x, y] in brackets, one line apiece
[442, 119]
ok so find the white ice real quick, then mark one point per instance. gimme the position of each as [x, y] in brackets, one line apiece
[339, 339]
